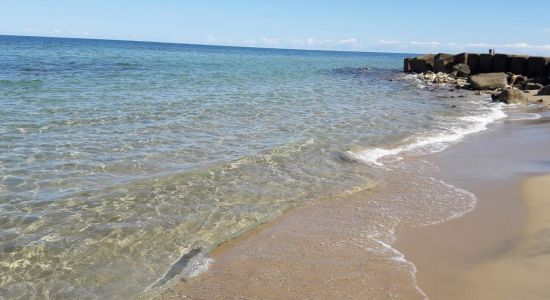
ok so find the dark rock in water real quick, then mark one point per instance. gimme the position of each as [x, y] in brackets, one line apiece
[488, 81]
[351, 71]
[533, 86]
[422, 63]
[512, 96]
[545, 91]
[501, 63]
[407, 65]
[461, 70]
[178, 267]
[344, 157]
[518, 65]
[485, 63]
[536, 66]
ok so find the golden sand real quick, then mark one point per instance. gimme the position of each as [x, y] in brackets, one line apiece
[524, 271]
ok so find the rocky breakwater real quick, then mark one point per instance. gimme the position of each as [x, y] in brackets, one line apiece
[508, 78]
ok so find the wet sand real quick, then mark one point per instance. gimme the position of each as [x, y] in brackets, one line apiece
[316, 251]
[500, 250]
[533, 97]
[323, 250]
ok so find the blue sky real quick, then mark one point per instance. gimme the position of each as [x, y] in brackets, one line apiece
[394, 26]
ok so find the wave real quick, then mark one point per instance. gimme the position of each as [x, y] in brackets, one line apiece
[435, 142]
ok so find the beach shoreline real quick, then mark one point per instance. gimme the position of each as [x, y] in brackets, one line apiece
[479, 256]
[273, 260]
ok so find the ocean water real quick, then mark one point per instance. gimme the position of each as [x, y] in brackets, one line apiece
[122, 164]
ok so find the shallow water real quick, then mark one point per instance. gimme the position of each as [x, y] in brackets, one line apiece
[118, 158]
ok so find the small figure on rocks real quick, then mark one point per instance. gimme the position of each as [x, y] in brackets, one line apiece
[490, 51]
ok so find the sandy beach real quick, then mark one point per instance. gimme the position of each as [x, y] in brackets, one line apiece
[482, 255]
[317, 251]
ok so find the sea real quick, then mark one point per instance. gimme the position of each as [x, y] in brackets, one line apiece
[123, 164]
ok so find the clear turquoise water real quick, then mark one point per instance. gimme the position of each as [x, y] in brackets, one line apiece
[117, 158]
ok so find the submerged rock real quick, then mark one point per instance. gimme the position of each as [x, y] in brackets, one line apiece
[488, 81]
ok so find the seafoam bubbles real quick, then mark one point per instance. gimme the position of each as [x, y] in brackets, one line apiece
[447, 133]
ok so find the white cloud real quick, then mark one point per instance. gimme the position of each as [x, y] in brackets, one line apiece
[249, 42]
[270, 41]
[349, 41]
[323, 44]
[517, 46]
[417, 43]
[311, 41]
[389, 42]
[210, 39]
[437, 46]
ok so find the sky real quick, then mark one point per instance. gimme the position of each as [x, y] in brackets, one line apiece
[410, 26]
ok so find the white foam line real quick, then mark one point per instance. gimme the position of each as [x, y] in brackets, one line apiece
[400, 257]
[524, 116]
[478, 123]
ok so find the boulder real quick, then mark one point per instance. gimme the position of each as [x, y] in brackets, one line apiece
[544, 80]
[422, 63]
[501, 63]
[488, 81]
[512, 96]
[406, 65]
[471, 59]
[516, 80]
[461, 70]
[536, 66]
[545, 91]
[518, 65]
[444, 64]
[429, 76]
[444, 78]
[531, 86]
[473, 62]
[442, 56]
[485, 63]
[461, 83]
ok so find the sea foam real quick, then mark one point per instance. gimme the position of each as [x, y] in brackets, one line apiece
[434, 142]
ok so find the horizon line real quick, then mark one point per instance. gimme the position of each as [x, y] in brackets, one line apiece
[207, 45]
